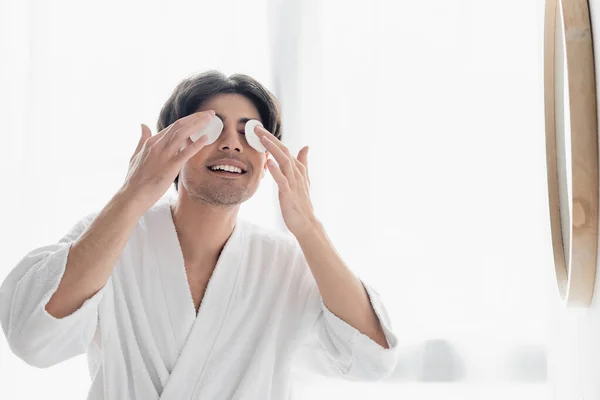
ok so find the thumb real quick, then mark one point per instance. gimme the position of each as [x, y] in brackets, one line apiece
[146, 134]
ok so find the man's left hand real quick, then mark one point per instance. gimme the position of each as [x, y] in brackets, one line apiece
[291, 175]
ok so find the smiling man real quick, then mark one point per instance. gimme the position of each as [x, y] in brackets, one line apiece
[175, 297]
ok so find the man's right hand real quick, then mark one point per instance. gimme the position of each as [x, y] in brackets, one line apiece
[157, 159]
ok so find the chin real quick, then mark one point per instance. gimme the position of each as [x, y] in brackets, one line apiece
[215, 196]
[204, 187]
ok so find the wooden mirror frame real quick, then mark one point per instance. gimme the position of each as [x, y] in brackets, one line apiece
[575, 254]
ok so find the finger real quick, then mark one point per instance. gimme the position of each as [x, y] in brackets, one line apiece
[179, 135]
[262, 132]
[302, 162]
[302, 172]
[191, 120]
[278, 176]
[146, 130]
[303, 156]
[146, 134]
[189, 151]
[161, 134]
[285, 162]
[167, 132]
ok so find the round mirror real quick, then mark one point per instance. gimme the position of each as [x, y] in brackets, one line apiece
[571, 147]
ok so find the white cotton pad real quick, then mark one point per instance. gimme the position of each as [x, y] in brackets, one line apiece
[212, 130]
[252, 138]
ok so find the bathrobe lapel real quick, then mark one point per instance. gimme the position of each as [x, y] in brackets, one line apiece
[191, 337]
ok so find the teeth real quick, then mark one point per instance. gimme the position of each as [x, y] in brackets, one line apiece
[228, 168]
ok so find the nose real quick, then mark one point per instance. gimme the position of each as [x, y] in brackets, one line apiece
[230, 140]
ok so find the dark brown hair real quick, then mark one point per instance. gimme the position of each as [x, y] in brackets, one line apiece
[189, 95]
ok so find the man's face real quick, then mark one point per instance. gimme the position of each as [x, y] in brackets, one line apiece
[231, 148]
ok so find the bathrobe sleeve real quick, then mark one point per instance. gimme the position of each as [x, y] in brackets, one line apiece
[334, 348]
[34, 335]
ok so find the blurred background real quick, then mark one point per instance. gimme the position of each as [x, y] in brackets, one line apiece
[425, 121]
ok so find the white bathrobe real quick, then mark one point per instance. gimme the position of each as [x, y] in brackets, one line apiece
[261, 315]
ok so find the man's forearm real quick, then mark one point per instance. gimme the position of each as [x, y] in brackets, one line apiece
[342, 292]
[93, 255]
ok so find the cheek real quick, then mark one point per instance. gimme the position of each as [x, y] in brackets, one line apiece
[261, 166]
[198, 160]
[203, 153]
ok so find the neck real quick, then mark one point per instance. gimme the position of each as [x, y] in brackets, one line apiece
[202, 228]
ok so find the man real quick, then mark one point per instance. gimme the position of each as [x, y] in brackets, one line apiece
[177, 298]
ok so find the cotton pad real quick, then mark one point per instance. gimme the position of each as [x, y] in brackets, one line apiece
[212, 130]
[251, 137]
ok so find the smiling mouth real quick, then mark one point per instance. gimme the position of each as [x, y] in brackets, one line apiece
[232, 173]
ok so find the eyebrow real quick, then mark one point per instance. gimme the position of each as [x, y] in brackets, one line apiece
[240, 121]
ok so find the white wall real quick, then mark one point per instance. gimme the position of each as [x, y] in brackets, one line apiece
[448, 183]
[574, 357]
